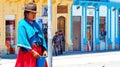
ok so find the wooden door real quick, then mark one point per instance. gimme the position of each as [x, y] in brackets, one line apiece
[61, 24]
[77, 35]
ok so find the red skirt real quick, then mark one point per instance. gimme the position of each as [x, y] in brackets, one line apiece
[26, 59]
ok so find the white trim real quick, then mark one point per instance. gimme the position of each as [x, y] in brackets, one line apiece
[10, 17]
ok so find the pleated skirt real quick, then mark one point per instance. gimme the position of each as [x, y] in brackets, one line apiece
[26, 59]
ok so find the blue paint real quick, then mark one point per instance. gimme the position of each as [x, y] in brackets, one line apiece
[84, 21]
[71, 26]
[115, 27]
[96, 0]
[97, 26]
[109, 25]
[96, 4]
[94, 30]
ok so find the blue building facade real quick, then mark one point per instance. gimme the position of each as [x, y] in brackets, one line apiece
[99, 32]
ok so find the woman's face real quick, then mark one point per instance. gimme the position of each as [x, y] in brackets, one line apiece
[31, 16]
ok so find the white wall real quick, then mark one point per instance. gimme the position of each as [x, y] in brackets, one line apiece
[77, 12]
[103, 10]
[90, 12]
[9, 17]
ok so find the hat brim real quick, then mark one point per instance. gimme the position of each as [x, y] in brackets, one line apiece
[31, 11]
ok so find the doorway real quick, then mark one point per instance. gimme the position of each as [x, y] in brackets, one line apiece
[10, 36]
[89, 33]
[61, 24]
[61, 27]
[102, 34]
[76, 33]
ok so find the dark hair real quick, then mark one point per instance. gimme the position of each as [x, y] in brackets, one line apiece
[56, 32]
[60, 30]
[25, 14]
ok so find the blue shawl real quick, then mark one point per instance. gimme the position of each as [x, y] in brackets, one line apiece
[26, 31]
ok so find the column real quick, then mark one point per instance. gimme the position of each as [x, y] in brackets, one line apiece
[83, 28]
[96, 41]
[94, 30]
[71, 29]
[116, 28]
[71, 24]
[108, 28]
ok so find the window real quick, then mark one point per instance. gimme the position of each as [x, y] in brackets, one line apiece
[44, 11]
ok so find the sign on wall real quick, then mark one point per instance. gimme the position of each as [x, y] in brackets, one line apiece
[62, 9]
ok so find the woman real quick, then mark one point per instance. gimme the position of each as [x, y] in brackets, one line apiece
[30, 39]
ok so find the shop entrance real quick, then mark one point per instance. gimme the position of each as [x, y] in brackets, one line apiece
[10, 36]
[119, 31]
[61, 26]
[90, 33]
[76, 33]
[102, 34]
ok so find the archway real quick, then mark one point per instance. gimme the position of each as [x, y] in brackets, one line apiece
[61, 24]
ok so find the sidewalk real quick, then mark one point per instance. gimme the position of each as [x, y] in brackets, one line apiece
[101, 59]
[8, 60]
[91, 52]
[75, 59]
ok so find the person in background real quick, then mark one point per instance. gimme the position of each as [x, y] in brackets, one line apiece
[62, 41]
[31, 39]
[89, 39]
[103, 34]
[56, 44]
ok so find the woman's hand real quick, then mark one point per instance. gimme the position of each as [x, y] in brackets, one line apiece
[45, 53]
[35, 54]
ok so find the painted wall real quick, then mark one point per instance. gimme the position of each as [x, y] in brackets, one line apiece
[90, 12]
[96, 0]
[10, 8]
[114, 0]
